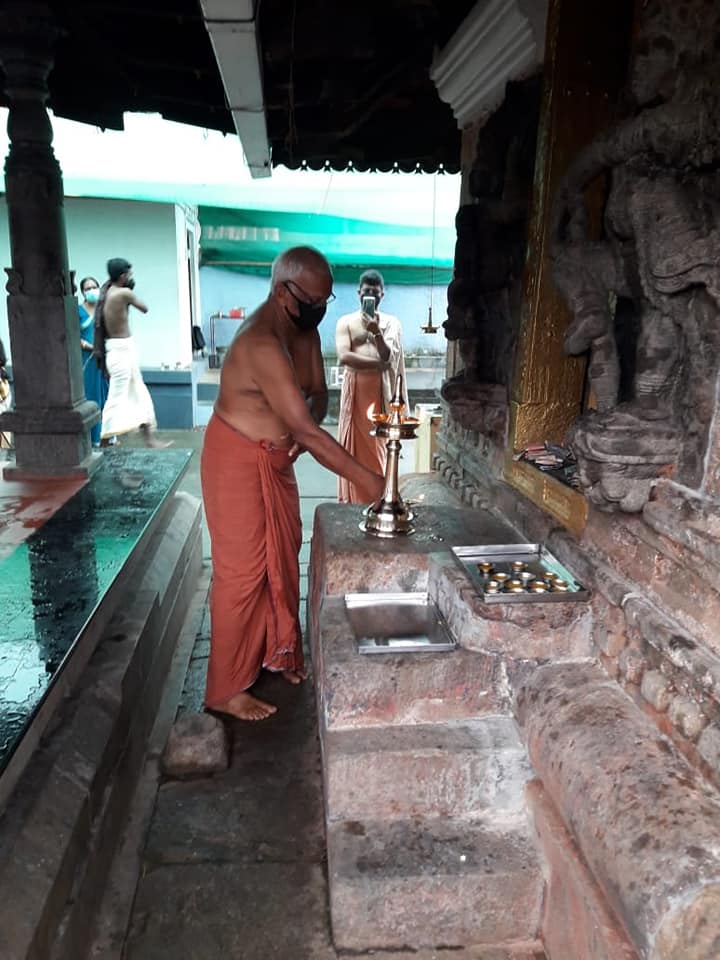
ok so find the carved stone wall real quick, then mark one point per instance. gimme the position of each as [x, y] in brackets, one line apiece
[643, 284]
[484, 296]
[655, 271]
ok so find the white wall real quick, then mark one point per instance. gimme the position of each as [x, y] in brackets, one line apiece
[152, 237]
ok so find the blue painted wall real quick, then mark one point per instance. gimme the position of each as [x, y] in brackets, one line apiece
[220, 290]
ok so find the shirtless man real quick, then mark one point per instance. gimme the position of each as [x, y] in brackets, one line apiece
[369, 346]
[272, 397]
[129, 405]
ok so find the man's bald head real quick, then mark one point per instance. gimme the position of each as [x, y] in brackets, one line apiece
[292, 263]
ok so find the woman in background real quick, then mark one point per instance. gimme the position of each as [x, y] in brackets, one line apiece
[96, 386]
[5, 398]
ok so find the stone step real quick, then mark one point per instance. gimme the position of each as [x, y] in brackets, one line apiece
[357, 690]
[432, 883]
[460, 769]
[520, 950]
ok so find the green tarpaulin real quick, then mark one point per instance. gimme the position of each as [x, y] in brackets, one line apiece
[249, 240]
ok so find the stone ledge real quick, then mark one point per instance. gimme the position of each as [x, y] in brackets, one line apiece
[64, 818]
[431, 883]
[644, 820]
[352, 562]
[527, 631]
[464, 770]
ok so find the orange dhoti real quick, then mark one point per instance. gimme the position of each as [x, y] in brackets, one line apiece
[253, 515]
[360, 390]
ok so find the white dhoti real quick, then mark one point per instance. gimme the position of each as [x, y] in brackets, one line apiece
[128, 404]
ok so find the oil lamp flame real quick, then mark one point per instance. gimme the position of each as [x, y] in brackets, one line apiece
[376, 417]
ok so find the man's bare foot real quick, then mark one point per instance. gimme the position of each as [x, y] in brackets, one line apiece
[294, 676]
[244, 706]
[152, 441]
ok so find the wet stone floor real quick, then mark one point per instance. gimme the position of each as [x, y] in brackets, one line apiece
[234, 864]
[52, 581]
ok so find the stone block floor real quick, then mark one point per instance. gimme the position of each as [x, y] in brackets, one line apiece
[233, 866]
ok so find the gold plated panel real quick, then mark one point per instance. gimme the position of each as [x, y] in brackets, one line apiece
[562, 502]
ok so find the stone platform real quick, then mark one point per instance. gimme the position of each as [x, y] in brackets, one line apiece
[55, 584]
[98, 594]
[509, 791]
[428, 841]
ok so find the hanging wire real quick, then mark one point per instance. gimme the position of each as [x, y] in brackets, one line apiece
[432, 241]
[429, 327]
[327, 191]
[291, 136]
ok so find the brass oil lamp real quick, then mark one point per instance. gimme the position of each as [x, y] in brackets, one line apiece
[389, 517]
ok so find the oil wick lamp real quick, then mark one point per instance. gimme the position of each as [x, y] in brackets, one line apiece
[429, 327]
[389, 517]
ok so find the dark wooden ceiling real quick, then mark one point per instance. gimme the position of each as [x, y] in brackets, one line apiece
[345, 82]
[348, 81]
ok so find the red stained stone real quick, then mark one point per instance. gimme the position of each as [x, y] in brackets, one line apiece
[577, 920]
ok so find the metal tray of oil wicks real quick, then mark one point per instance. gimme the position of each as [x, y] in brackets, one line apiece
[519, 573]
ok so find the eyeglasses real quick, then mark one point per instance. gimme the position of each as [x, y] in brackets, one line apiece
[306, 297]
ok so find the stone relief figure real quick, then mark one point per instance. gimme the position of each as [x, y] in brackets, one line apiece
[482, 298]
[660, 252]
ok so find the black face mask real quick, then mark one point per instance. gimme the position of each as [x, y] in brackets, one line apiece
[309, 317]
[130, 284]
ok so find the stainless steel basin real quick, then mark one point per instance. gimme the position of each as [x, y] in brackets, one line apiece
[397, 623]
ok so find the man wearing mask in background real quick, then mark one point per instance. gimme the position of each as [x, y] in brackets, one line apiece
[129, 405]
[369, 346]
[272, 397]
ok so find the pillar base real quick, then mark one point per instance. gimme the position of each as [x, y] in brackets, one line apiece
[79, 471]
[51, 442]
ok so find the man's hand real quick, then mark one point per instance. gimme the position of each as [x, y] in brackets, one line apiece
[371, 324]
[295, 451]
[377, 485]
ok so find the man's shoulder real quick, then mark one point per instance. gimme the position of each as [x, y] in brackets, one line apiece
[388, 320]
[348, 317]
[257, 341]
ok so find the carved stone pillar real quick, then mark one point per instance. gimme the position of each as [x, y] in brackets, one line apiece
[52, 418]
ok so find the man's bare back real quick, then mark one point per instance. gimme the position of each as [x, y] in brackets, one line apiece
[115, 311]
